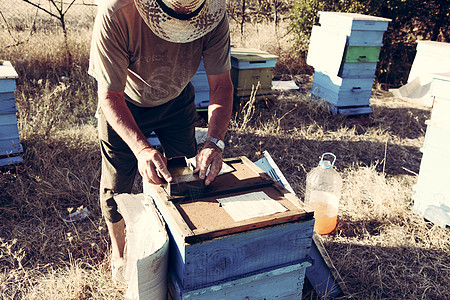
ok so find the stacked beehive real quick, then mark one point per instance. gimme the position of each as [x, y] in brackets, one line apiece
[213, 255]
[201, 85]
[10, 146]
[432, 193]
[344, 52]
[251, 72]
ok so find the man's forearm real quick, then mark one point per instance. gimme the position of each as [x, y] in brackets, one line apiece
[220, 106]
[121, 120]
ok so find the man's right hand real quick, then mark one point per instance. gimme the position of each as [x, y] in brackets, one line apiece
[152, 166]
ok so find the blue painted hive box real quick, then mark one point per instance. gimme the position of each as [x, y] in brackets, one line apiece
[362, 30]
[10, 146]
[342, 91]
[201, 86]
[243, 236]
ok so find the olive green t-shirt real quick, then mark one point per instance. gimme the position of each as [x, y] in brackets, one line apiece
[127, 56]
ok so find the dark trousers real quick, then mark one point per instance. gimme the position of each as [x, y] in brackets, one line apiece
[173, 123]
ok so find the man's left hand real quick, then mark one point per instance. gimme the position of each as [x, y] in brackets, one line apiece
[209, 157]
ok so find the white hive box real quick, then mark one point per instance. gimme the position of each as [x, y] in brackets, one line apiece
[10, 146]
[432, 197]
[431, 58]
[362, 30]
[344, 52]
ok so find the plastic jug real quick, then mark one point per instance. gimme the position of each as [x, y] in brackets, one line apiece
[323, 190]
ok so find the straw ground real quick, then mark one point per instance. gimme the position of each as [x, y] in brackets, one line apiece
[381, 248]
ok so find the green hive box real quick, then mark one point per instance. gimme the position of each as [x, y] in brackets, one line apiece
[251, 68]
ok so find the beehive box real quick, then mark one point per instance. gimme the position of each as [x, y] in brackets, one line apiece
[432, 196]
[251, 68]
[344, 52]
[362, 30]
[10, 146]
[211, 249]
[340, 91]
[201, 86]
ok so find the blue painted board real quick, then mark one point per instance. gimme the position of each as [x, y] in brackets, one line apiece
[353, 97]
[202, 99]
[250, 58]
[357, 70]
[10, 146]
[8, 107]
[200, 82]
[8, 131]
[230, 256]
[320, 277]
[7, 96]
[365, 38]
[7, 161]
[7, 85]
[281, 283]
[339, 84]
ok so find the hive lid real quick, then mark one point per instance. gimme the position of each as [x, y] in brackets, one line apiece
[251, 54]
[7, 71]
[205, 218]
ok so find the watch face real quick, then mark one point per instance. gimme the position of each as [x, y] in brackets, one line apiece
[220, 144]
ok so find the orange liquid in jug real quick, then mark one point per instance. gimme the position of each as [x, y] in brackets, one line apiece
[325, 207]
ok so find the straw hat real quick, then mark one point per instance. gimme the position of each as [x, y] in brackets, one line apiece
[181, 21]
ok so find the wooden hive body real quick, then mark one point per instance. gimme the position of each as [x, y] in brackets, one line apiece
[346, 47]
[432, 194]
[10, 146]
[210, 251]
[251, 68]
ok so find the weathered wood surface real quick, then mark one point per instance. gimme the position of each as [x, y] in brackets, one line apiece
[285, 283]
[207, 245]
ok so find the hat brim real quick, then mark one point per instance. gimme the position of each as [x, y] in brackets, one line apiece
[181, 31]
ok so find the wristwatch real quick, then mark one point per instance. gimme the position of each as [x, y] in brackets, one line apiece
[219, 143]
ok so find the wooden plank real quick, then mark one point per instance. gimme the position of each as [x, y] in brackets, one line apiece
[354, 97]
[246, 225]
[7, 71]
[10, 146]
[7, 85]
[9, 131]
[352, 21]
[249, 251]
[322, 275]
[7, 161]
[280, 283]
[250, 58]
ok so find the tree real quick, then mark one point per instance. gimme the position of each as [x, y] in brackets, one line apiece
[61, 10]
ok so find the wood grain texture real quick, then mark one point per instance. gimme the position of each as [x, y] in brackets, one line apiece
[283, 283]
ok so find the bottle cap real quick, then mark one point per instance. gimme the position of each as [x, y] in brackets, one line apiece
[325, 164]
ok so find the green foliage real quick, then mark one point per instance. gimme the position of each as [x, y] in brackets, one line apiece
[412, 20]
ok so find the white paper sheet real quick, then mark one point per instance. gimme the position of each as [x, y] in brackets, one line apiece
[251, 205]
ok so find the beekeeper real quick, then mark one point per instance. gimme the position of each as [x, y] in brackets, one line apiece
[143, 55]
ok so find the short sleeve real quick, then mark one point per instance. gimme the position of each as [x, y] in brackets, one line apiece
[216, 49]
[108, 61]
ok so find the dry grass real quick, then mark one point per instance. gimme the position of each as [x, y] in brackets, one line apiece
[380, 247]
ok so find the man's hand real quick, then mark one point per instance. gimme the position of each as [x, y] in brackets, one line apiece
[152, 166]
[209, 157]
